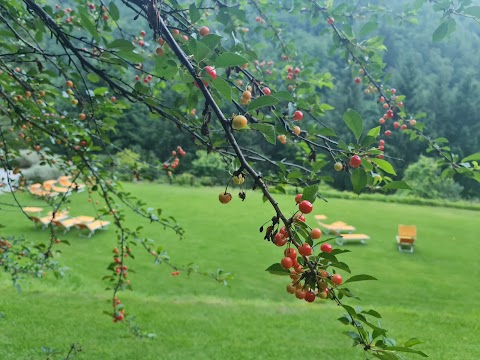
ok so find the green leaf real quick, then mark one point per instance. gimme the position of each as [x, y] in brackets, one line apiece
[121, 44]
[113, 9]
[473, 11]
[223, 88]
[100, 91]
[354, 122]
[277, 269]
[372, 313]
[396, 185]
[267, 130]
[229, 59]
[326, 132]
[262, 101]
[284, 95]
[94, 78]
[359, 180]
[85, 21]
[406, 349]
[194, 13]
[440, 32]
[368, 28]
[374, 132]
[473, 157]
[130, 56]
[412, 342]
[211, 40]
[361, 277]
[310, 193]
[384, 165]
[199, 50]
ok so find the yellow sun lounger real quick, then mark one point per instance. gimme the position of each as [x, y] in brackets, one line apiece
[407, 234]
[352, 238]
[67, 224]
[337, 227]
[47, 220]
[93, 226]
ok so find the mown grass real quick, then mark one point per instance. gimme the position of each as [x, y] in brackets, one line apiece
[432, 294]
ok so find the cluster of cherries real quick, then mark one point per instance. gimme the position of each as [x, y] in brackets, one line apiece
[119, 313]
[315, 281]
[175, 160]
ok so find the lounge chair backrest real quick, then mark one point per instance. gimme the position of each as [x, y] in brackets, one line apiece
[409, 231]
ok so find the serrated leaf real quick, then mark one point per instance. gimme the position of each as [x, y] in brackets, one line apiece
[310, 193]
[354, 122]
[229, 59]
[284, 95]
[121, 44]
[262, 101]
[223, 88]
[440, 32]
[473, 157]
[396, 185]
[277, 269]
[368, 28]
[194, 13]
[267, 130]
[361, 277]
[113, 9]
[359, 180]
[94, 78]
[384, 165]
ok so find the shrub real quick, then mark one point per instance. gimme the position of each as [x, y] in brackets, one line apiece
[424, 177]
[185, 179]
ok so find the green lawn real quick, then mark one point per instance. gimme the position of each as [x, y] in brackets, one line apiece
[432, 294]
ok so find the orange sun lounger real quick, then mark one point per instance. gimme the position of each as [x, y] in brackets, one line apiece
[407, 234]
[67, 224]
[93, 226]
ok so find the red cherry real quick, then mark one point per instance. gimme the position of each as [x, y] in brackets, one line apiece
[330, 20]
[280, 240]
[393, 91]
[381, 121]
[305, 207]
[327, 248]
[396, 124]
[305, 249]
[300, 218]
[286, 263]
[355, 161]
[291, 253]
[388, 133]
[381, 147]
[309, 296]
[381, 142]
[390, 114]
[358, 80]
[298, 198]
[296, 71]
[203, 31]
[266, 91]
[403, 127]
[297, 115]
[91, 6]
[381, 156]
[211, 71]
[337, 279]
